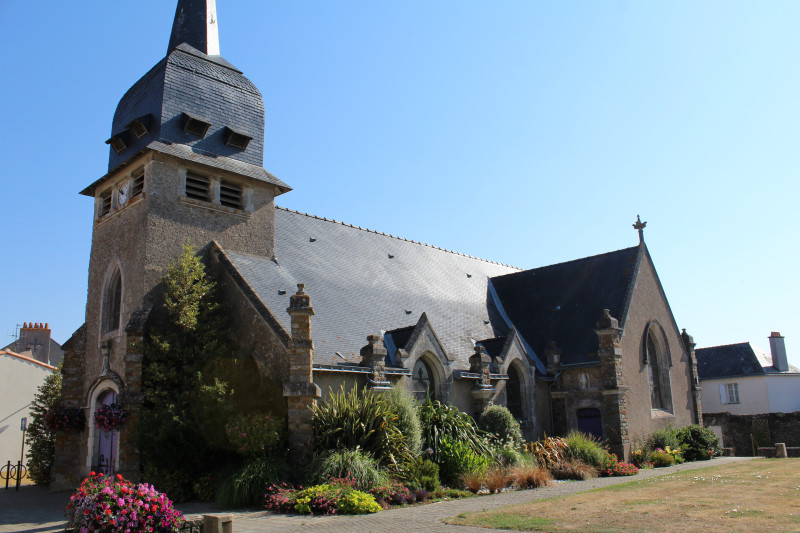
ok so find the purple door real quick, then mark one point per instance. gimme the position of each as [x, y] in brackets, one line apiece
[106, 447]
[590, 423]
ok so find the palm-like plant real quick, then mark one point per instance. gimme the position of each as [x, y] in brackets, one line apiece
[440, 421]
[355, 419]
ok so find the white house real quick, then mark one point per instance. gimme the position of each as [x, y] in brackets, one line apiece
[20, 377]
[744, 380]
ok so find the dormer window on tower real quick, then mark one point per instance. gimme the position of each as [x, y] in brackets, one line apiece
[236, 139]
[118, 143]
[195, 125]
[141, 126]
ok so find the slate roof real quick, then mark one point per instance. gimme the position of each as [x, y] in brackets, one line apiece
[563, 302]
[362, 282]
[735, 360]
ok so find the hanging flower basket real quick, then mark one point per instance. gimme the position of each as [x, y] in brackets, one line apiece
[65, 418]
[109, 417]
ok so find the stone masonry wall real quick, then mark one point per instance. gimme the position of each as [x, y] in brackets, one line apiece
[768, 429]
[648, 304]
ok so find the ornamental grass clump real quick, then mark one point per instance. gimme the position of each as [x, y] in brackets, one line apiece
[497, 479]
[548, 451]
[584, 448]
[530, 476]
[352, 464]
[118, 506]
[575, 470]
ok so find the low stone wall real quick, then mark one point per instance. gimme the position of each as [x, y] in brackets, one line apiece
[765, 429]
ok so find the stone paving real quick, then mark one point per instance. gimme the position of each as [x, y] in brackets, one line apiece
[38, 510]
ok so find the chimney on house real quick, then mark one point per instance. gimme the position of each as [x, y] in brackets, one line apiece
[34, 341]
[778, 349]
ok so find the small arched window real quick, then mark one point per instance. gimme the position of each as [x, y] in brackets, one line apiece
[514, 392]
[657, 360]
[112, 302]
[424, 384]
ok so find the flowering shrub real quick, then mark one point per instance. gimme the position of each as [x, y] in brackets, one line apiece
[62, 418]
[255, 433]
[109, 417]
[280, 498]
[666, 457]
[392, 493]
[611, 466]
[641, 459]
[119, 506]
[337, 497]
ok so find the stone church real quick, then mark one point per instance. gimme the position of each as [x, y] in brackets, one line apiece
[590, 344]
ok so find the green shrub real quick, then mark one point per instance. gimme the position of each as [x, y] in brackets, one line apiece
[661, 458]
[441, 421]
[662, 438]
[357, 502]
[245, 486]
[404, 407]
[585, 448]
[41, 441]
[698, 443]
[507, 455]
[361, 468]
[498, 421]
[421, 473]
[456, 458]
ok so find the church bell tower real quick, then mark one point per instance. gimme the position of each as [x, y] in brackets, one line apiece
[185, 165]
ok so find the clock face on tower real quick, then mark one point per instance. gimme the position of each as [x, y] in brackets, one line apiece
[122, 193]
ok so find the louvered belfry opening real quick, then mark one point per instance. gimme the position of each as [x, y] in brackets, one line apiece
[198, 187]
[230, 195]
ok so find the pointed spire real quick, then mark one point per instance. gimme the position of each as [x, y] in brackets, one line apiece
[196, 25]
[639, 226]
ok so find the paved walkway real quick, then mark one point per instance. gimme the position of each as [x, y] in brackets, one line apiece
[37, 510]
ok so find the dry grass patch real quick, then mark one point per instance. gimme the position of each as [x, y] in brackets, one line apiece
[760, 495]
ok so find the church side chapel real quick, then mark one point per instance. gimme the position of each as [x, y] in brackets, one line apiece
[318, 304]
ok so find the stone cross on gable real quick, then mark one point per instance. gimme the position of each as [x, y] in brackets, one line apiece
[639, 226]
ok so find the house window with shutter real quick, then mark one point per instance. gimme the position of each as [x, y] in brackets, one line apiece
[729, 393]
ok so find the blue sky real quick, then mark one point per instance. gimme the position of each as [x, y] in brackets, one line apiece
[523, 132]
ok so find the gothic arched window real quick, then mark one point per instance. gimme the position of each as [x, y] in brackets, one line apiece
[112, 302]
[514, 392]
[657, 360]
[424, 383]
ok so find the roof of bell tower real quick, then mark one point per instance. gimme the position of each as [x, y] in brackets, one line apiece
[193, 100]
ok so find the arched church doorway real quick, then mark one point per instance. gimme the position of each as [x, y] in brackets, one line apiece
[590, 422]
[107, 443]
